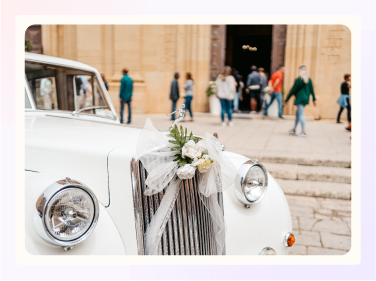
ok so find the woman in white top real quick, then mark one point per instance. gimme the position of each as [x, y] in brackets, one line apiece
[188, 87]
[226, 88]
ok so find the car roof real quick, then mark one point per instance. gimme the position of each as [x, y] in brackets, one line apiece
[58, 61]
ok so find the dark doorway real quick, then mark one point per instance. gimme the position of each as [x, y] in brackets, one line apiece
[259, 36]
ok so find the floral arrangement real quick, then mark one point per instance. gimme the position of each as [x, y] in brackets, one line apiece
[191, 153]
[211, 89]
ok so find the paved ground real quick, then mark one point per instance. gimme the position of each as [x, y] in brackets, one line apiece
[314, 172]
[260, 138]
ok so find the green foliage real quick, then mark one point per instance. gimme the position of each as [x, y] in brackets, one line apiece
[179, 139]
[28, 45]
[211, 89]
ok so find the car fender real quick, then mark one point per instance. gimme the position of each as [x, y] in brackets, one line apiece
[265, 224]
[104, 240]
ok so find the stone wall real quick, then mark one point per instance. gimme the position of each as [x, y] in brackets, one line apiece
[326, 50]
[152, 53]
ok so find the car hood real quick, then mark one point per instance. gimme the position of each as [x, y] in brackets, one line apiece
[75, 148]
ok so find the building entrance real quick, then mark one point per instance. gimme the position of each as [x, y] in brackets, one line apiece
[259, 36]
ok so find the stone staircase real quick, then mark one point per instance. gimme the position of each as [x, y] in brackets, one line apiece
[314, 181]
[319, 198]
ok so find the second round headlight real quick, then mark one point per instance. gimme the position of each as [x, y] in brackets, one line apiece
[251, 183]
[254, 184]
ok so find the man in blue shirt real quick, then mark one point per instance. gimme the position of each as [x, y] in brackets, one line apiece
[126, 90]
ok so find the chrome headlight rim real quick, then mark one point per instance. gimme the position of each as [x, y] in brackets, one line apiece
[240, 182]
[42, 205]
[266, 250]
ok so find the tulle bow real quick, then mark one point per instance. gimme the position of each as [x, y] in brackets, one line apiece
[154, 151]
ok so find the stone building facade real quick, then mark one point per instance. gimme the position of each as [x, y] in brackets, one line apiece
[153, 53]
[326, 50]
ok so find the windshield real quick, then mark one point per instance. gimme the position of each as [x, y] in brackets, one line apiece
[66, 89]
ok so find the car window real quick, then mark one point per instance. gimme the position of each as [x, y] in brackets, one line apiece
[27, 102]
[68, 89]
[89, 96]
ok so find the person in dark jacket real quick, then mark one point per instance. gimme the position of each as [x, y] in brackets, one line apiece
[302, 90]
[344, 100]
[126, 91]
[253, 87]
[174, 93]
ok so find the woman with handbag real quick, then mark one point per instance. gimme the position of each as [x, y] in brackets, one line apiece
[302, 90]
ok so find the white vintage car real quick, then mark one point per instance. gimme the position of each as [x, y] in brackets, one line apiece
[84, 186]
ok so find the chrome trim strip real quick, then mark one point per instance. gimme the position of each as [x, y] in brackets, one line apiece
[30, 96]
[137, 209]
[185, 220]
[180, 224]
[194, 215]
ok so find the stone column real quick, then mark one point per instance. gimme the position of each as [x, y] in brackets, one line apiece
[326, 51]
[278, 47]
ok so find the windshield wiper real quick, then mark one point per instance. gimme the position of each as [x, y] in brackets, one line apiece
[88, 108]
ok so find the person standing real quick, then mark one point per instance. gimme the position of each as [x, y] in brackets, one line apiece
[226, 88]
[302, 90]
[89, 93]
[46, 90]
[104, 81]
[275, 84]
[237, 94]
[126, 91]
[174, 94]
[263, 84]
[344, 100]
[253, 87]
[241, 88]
[188, 87]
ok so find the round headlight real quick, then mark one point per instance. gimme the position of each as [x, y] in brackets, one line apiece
[268, 252]
[254, 184]
[251, 183]
[67, 212]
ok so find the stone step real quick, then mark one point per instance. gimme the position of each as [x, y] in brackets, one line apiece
[316, 189]
[299, 158]
[308, 173]
[309, 159]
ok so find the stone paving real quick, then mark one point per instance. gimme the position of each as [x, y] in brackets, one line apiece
[320, 225]
[327, 144]
[318, 195]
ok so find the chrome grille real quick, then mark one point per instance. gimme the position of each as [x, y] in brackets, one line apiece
[189, 230]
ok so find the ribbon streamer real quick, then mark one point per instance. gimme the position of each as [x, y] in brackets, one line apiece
[155, 153]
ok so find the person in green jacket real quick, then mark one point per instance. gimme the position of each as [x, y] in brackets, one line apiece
[126, 90]
[302, 90]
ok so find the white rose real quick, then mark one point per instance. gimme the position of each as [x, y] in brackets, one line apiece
[206, 156]
[197, 162]
[192, 150]
[186, 172]
[204, 165]
[200, 147]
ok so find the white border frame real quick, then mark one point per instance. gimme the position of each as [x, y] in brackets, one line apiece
[351, 258]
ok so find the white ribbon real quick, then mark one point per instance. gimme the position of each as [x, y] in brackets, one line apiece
[155, 153]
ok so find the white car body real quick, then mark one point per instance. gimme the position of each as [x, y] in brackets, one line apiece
[97, 151]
